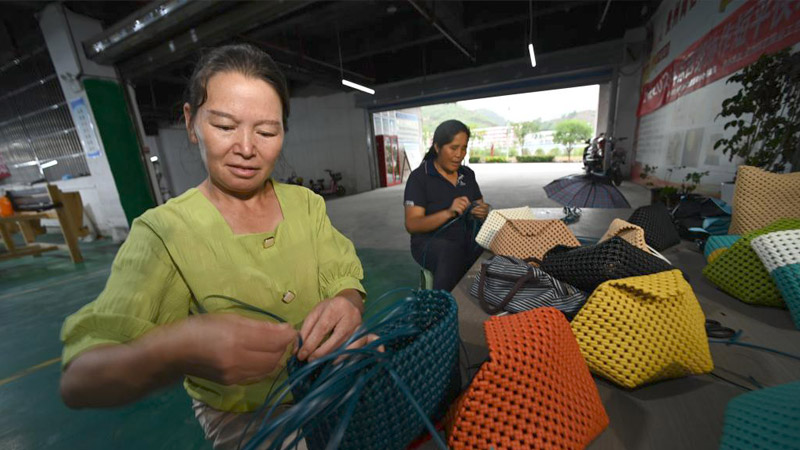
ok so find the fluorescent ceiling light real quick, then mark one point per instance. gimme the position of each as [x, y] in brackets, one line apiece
[154, 158]
[533, 57]
[26, 164]
[358, 86]
[50, 163]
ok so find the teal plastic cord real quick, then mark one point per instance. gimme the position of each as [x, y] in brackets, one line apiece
[465, 217]
[734, 341]
[334, 387]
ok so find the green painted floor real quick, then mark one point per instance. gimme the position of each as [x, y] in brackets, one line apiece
[36, 294]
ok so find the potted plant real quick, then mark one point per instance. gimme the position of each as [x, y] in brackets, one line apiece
[765, 113]
[647, 174]
[690, 183]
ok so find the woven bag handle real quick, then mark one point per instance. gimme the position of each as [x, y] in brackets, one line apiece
[517, 286]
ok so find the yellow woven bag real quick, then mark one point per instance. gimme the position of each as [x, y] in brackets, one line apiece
[638, 330]
[760, 198]
[525, 239]
[634, 234]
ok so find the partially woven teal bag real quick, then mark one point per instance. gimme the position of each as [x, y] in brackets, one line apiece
[381, 403]
[780, 253]
[717, 242]
[768, 419]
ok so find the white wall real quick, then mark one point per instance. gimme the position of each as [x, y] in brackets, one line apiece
[324, 133]
[180, 160]
[98, 191]
[327, 133]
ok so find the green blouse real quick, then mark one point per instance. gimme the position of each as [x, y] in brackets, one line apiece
[184, 251]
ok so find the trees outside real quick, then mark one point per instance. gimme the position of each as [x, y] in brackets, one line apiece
[569, 132]
[522, 129]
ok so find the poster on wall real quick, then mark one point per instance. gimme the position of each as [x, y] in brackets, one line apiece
[757, 27]
[84, 124]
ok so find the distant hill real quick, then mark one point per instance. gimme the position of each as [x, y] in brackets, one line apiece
[589, 116]
[433, 115]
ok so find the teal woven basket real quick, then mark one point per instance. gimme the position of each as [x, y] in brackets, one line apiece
[427, 363]
[717, 242]
[780, 253]
[765, 419]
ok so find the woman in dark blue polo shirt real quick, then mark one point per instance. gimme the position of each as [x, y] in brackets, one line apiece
[437, 192]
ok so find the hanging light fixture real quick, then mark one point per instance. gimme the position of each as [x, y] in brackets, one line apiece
[345, 82]
[530, 34]
[358, 86]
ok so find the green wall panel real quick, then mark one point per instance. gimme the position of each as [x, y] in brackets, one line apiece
[107, 101]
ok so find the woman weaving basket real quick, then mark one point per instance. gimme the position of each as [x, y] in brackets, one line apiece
[439, 191]
[237, 243]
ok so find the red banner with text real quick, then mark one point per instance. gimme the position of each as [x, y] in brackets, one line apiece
[757, 27]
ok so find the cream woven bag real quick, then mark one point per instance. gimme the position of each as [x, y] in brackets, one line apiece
[760, 198]
[526, 239]
[495, 221]
[634, 234]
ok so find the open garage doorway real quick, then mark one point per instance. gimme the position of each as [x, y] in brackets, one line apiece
[519, 143]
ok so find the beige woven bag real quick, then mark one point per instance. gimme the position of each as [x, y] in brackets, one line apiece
[760, 198]
[634, 234]
[531, 238]
[496, 219]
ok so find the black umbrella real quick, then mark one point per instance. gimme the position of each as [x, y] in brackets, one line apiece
[586, 191]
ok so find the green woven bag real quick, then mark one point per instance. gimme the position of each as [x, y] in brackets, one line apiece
[768, 419]
[739, 272]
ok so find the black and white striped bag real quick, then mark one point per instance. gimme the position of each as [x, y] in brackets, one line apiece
[510, 284]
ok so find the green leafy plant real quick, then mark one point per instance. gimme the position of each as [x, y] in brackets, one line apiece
[539, 152]
[570, 131]
[646, 174]
[474, 159]
[555, 151]
[535, 158]
[496, 159]
[765, 113]
[691, 181]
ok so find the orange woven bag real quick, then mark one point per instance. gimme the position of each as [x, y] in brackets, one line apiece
[530, 238]
[534, 392]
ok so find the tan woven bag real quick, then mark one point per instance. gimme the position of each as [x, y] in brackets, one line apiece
[760, 198]
[497, 218]
[634, 234]
[526, 239]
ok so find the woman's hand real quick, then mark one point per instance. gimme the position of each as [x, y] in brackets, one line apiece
[480, 211]
[338, 317]
[459, 205]
[232, 349]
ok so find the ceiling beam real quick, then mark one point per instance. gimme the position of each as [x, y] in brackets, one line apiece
[237, 20]
[148, 25]
[442, 29]
[392, 46]
[284, 54]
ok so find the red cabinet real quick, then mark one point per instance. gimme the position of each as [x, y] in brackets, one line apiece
[390, 162]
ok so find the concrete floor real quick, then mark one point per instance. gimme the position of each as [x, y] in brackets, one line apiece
[37, 293]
